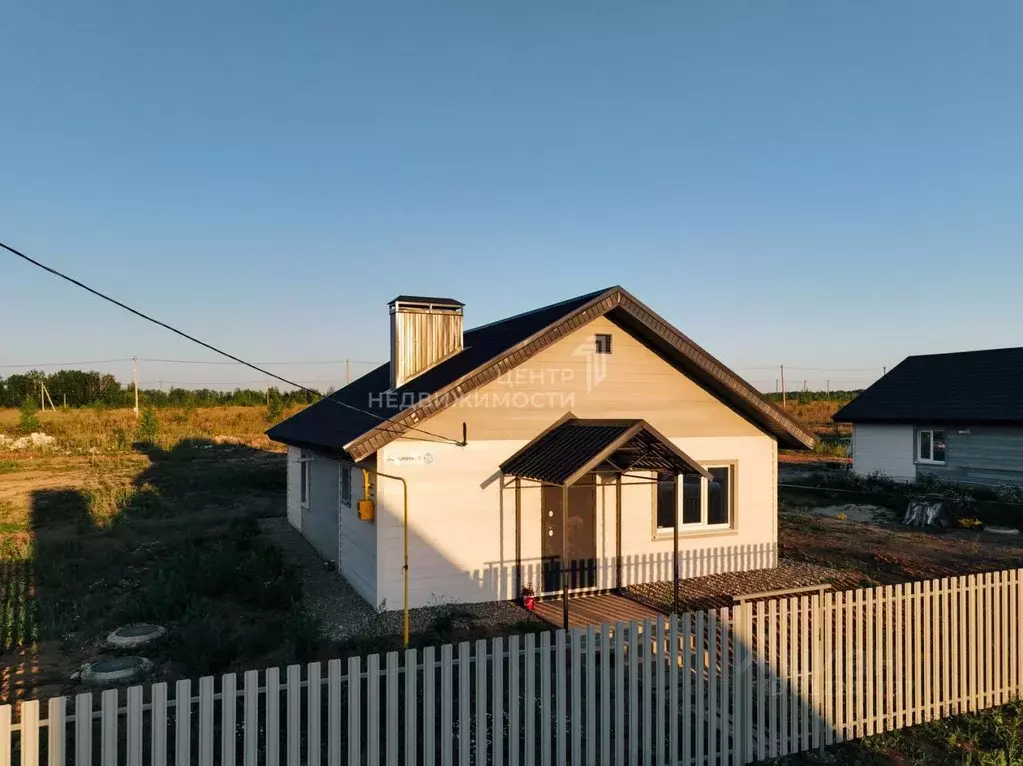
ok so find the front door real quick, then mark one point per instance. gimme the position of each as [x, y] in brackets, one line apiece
[581, 539]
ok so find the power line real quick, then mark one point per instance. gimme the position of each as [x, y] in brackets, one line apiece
[63, 364]
[212, 348]
[200, 361]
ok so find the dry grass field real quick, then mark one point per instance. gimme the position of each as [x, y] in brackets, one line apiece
[106, 431]
[99, 531]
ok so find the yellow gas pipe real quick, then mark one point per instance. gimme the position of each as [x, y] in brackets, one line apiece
[404, 535]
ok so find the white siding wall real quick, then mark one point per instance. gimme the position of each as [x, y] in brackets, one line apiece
[884, 448]
[319, 519]
[462, 525]
[294, 488]
[357, 544]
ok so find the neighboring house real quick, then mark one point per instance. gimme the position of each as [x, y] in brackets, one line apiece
[591, 423]
[957, 416]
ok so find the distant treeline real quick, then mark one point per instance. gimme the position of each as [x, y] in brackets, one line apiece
[81, 388]
[804, 397]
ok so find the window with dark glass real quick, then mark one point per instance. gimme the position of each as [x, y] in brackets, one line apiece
[346, 486]
[667, 500]
[692, 499]
[603, 344]
[719, 495]
[930, 445]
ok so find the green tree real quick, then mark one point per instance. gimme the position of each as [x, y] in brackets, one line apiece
[148, 429]
[274, 407]
[28, 421]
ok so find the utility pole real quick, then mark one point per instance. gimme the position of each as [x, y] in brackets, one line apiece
[135, 381]
[348, 373]
[828, 388]
[42, 401]
[783, 386]
[884, 370]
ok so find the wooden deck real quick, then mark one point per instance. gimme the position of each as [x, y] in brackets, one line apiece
[584, 611]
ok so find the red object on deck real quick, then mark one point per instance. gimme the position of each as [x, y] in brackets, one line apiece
[528, 599]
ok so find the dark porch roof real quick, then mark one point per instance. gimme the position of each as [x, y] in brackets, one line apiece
[573, 447]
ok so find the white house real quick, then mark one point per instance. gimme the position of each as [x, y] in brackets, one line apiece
[957, 417]
[575, 447]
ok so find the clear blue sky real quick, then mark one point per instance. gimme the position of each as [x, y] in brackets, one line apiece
[820, 184]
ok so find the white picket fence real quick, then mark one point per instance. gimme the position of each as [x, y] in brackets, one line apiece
[728, 686]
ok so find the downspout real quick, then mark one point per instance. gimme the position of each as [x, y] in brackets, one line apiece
[404, 536]
[564, 551]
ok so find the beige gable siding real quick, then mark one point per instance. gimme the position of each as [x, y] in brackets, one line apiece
[630, 382]
[462, 523]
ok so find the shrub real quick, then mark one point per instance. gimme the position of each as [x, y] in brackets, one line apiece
[274, 408]
[148, 428]
[28, 421]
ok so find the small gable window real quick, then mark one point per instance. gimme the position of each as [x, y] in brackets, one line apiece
[603, 343]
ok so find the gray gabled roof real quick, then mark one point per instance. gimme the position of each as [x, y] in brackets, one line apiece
[962, 387]
[364, 416]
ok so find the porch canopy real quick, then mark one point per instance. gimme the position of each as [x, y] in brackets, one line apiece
[572, 448]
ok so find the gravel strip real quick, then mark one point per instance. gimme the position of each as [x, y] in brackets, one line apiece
[716, 591]
[345, 615]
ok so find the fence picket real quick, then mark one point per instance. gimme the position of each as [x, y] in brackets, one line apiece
[250, 713]
[314, 694]
[590, 740]
[354, 706]
[497, 701]
[646, 699]
[513, 698]
[29, 744]
[1005, 649]
[762, 661]
[773, 680]
[792, 629]
[729, 733]
[619, 695]
[391, 716]
[633, 680]
[870, 659]
[673, 660]
[133, 723]
[688, 668]
[973, 629]
[293, 695]
[464, 699]
[529, 701]
[5, 736]
[713, 660]
[928, 666]
[562, 697]
[333, 714]
[228, 716]
[373, 710]
[411, 706]
[545, 699]
[783, 633]
[158, 720]
[659, 722]
[272, 681]
[429, 705]
[804, 672]
[183, 723]
[56, 732]
[701, 669]
[206, 721]
[481, 700]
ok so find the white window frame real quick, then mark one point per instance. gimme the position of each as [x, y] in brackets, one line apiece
[305, 475]
[702, 525]
[345, 472]
[917, 442]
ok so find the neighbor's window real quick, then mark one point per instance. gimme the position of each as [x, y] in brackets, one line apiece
[930, 446]
[346, 485]
[701, 503]
[603, 344]
[304, 471]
